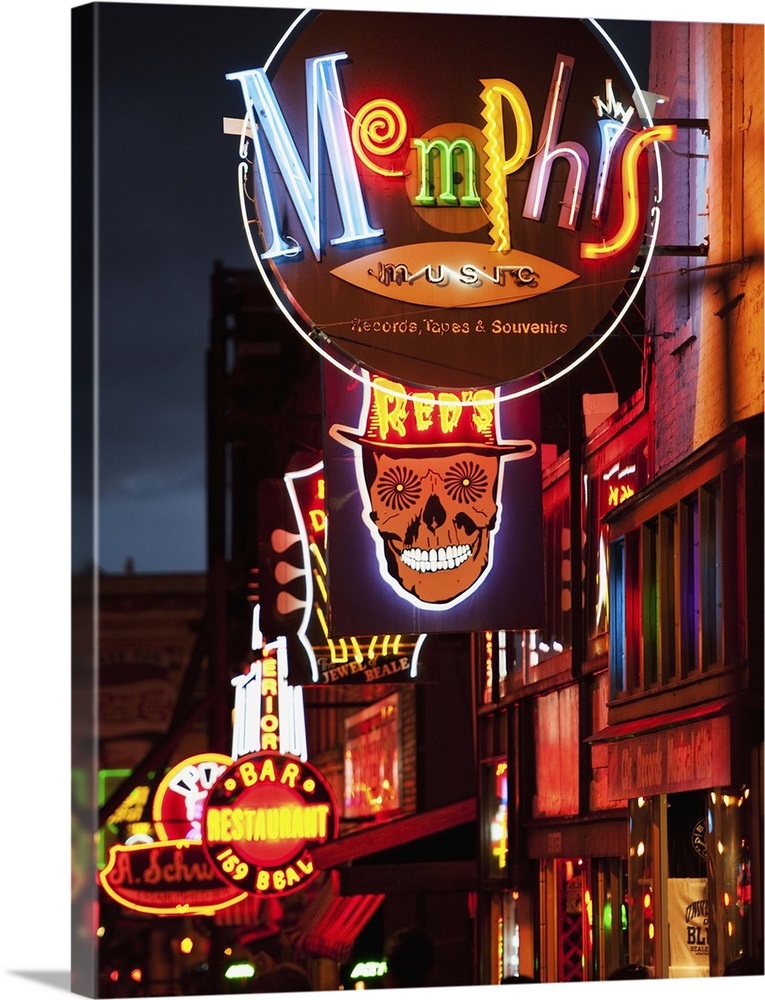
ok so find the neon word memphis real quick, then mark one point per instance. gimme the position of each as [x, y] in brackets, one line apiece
[326, 111]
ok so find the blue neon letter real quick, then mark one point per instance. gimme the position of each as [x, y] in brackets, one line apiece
[324, 104]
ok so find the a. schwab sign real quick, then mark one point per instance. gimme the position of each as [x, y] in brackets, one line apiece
[453, 200]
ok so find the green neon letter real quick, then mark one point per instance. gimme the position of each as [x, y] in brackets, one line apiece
[447, 151]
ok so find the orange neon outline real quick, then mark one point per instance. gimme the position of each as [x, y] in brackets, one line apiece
[628, 228]
[162, 787]
[179, 909]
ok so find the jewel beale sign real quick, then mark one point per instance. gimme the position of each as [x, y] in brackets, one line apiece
[453, 200]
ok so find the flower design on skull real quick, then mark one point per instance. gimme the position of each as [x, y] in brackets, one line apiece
[399, 488]
[435, 514]
[466, 482]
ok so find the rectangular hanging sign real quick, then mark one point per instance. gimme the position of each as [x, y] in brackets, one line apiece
[435, 503]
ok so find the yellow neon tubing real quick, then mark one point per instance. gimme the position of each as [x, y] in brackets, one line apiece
[628, 228]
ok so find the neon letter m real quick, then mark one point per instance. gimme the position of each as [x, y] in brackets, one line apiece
[324, 105]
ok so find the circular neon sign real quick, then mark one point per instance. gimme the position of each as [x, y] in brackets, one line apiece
[263, 818]
[452, 200]
[180, 796]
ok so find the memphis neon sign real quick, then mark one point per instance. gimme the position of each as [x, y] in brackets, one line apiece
[539, 153]
[325, 108]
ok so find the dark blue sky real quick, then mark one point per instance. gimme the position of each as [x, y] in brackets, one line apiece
[168, 211]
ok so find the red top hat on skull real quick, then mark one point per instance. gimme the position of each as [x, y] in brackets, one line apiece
[400, 419]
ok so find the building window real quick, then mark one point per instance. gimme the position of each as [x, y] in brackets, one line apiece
[371, 771]
[668, 587]
[650, 581]
[711, 574]
[545, 643]
[556, 748]
[689, 583]
[626, 624]
[643, 873]
[666, 594]
[618, 646]
[495, 818]
[503, 655]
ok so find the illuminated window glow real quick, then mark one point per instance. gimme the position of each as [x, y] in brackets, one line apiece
[502, 659]
[372, 760]
[498, 829]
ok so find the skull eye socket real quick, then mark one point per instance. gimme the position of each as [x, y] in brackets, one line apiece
[399, 488]
[465, 482]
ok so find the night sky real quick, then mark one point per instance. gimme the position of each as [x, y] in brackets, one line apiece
[168, 211]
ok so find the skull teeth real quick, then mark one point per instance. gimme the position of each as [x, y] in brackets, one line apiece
[434, 560]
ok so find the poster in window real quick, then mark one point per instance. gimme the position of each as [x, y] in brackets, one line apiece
[688, 916]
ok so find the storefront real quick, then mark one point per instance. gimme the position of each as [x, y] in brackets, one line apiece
[683, 743]
[691, 842]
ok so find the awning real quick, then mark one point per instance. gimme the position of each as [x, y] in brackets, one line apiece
[655, 723]
[331, 923]
[256, 917]
[384, 836]
[247, 911]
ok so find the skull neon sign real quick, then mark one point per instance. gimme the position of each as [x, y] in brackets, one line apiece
[430, 469]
